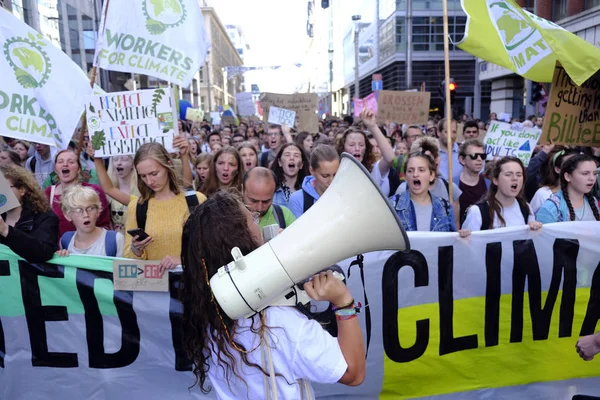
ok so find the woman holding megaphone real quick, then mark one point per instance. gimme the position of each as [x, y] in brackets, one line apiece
[274, 354]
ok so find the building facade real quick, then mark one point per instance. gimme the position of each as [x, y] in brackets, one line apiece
[509, 92]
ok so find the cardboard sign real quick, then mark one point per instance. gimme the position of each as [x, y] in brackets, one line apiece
[501, 140]
[573, 112]
[8, 200]
[121, 122]
[282, 116]
[304, 104]
[245, 104]
[139, 276]
[194, 114]
[404, 107]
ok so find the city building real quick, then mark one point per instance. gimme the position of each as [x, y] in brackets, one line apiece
[509, 92]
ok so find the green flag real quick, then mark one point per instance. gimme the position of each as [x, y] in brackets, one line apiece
[501, 32]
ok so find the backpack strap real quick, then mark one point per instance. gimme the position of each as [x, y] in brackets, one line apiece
[192, 201]
[279, 216]
[553, 198]
[264, 159]
[484, 209]
[140, 214]
[308, 200]
[447, 187]
[110, 243]
[66, 239]
[525, 211]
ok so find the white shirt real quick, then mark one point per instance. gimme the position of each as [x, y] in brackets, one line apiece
[541, 195]
[300, 349]
[512, 216]
[98, 248]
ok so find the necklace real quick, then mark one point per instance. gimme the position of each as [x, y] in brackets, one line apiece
[577, 218]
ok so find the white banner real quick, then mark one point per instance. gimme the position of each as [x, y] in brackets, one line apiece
[164, 39]
[41, 88]
[495, 315]
[120, 122]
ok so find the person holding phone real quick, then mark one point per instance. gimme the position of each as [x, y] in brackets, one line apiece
[155, 219]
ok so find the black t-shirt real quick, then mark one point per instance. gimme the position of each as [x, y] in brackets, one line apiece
[470, 195]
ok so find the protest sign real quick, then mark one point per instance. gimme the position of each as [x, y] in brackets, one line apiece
[304, 104]
[139, 276]
[216, 117]
[42, 89]
[120, 122]
[282, 116]
[369, 103]
[496, 315]
[194, 114]
[573, 113]
[8, 200]
[502, 140]
[404, 107]
[245, 104]
[164, 39]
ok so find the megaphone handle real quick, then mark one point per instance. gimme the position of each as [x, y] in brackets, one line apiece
[359, 261]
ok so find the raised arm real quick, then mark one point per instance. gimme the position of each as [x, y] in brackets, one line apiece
[105, 182]
[184, 153]
[385, 147]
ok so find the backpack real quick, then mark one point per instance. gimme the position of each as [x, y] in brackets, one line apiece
[308, 201]
[32, 164]
[279, 217]
[141, 210]
[264, 159]
[110, 242]
[484, 209]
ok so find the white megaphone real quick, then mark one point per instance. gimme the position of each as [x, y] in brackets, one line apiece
[352, 217]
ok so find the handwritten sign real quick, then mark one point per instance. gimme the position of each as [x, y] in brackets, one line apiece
[8, 200]
[121, 122]
[573, 112]
[404, 107]
[245, 104]
[282, 116]
[501, 140]
[194, 114]
[305, 105]
[139, 276]
[216, 117]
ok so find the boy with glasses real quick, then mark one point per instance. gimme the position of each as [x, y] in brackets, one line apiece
[471, 182]
[81, 205]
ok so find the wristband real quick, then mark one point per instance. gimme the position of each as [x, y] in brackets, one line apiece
[350, 304]
[349, 312]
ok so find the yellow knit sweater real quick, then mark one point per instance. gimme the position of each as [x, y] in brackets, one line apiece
[164, 223]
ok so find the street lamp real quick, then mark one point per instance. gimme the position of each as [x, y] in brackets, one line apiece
[356, 20]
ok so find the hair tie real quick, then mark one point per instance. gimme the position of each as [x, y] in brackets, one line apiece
[560, 153]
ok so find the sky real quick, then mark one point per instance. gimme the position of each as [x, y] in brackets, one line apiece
[276, 33]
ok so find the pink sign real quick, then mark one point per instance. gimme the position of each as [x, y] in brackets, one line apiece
[369, 103]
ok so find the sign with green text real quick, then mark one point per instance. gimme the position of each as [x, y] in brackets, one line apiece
[573, 113]
[120, 122]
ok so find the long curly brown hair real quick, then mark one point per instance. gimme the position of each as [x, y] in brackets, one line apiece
[213, 229]
[212, 184]
[369, 158]
[34, 198]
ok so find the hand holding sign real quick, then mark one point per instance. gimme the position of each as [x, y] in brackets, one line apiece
[282, 116]
[8, 200]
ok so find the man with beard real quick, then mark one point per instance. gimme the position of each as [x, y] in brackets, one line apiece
[277, 136]
[258, 188]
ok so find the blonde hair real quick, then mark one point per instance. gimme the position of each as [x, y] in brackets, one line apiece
[79, 196]
[155, 151]
[112, 174]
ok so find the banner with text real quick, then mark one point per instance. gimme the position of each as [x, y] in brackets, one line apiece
[494, 315]
[404, 107]
[121, 122]
[42, 89]
[573, 113]
[503, 140]
[304, 104]
[164, 39]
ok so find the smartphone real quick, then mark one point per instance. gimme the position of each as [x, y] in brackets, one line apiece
[138, 232]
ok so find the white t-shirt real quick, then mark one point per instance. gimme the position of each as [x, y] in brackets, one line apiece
[98, 248]
[512, 216]
[300, 349]
[541, 195]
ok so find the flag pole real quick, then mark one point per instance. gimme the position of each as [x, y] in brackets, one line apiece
[177, 108]
[447, 95]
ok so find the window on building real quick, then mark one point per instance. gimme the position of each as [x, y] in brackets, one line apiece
[591, 3]
[89, 35]
[387, 39]
[201, 74]
[73, 28]
[559, 9]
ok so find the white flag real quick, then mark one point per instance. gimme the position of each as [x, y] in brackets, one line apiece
[41, 88]
[160, 38]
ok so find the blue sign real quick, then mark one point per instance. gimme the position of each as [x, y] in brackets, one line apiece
[376, 86]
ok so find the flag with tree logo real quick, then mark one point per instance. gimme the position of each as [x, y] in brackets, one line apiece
[160, 38]
[41, 88]
[501, 32]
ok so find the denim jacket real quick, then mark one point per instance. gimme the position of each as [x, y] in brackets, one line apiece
[442, 214]
[554, 209]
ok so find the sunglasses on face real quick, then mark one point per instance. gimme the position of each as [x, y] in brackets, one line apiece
[476, 156]
[119, 213]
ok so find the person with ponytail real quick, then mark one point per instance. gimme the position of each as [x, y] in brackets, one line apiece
[551, 176]
[505, 204]
[227, 355]
[574, 201]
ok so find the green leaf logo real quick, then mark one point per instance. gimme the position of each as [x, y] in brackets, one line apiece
[163, 14]
[98, 140]
[28, 60]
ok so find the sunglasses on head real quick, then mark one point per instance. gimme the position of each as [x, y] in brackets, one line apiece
[476, 156]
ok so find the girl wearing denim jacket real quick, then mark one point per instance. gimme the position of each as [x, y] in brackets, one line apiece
[417, 208]
[574, 202]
